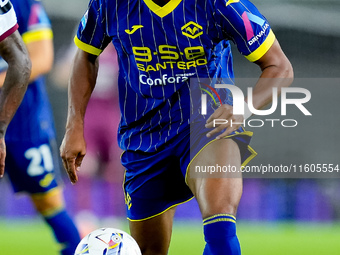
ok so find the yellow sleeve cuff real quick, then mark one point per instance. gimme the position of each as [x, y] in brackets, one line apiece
[86, 47]
[37, 35]
[264, 47]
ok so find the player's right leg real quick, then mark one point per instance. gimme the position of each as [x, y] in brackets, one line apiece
[153, 235]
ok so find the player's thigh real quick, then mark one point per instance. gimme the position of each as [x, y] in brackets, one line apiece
[220, 192]
[33, 167]
[153, 235]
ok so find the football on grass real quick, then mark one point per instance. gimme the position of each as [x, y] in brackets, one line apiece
[108, 241]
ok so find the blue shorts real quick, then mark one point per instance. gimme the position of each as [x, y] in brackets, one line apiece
[155, 182]
[31, 166]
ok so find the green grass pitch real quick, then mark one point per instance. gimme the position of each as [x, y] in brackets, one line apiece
[34, 238]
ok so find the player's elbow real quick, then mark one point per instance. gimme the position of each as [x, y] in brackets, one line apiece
[279, 67]
[26, 67]
[275, 64]
[23, 66]
[286, 69]
[286, 72]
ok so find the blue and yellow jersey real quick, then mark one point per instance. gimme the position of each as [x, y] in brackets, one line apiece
[33, 119]
[161, 48]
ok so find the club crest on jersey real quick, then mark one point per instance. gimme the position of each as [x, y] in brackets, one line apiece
[251, 37]
[192, 30]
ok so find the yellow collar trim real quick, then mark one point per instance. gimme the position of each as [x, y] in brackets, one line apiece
[162, 11]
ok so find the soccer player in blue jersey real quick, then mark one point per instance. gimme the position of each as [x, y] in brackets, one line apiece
[162, 46]
[14, 53]
[32, 159]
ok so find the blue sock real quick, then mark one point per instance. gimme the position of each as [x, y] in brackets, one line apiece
[220, 235]
[65, 231]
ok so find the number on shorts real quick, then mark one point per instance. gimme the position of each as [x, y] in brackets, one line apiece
[41, 160]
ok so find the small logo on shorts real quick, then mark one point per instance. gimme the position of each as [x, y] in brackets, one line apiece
[128, 200]
[47, 180]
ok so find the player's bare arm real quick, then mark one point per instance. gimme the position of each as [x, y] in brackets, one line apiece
[81, 84]
[278, 72]
[41, 55]
[14, 52]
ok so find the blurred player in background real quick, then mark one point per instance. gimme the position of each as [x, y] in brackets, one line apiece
[102, 162]
[161, 45]
[32, 161]
[16, 59]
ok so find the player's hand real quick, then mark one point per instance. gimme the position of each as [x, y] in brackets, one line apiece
[72, 152]
[225, 114]
[2, 156]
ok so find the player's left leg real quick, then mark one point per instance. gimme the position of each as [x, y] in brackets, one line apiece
[51, 206]
[218, 198]
[32, 167]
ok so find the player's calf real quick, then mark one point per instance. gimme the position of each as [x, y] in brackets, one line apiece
[51, 206]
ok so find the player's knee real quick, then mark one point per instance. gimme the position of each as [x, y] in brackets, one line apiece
[152, 245]
[226, 208]
[48, 203]
[153, 250]
[232, 208]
